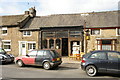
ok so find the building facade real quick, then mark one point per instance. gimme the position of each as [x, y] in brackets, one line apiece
[68, 34]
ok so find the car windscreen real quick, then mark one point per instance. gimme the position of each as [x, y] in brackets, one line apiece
[54, 53]
[2, 51]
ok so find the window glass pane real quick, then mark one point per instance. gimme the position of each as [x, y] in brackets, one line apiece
[26, 33]
[34, 46]
[62, 34]
[48, 34]
[4, 32]
[118, 31]
[31, 46]
[106, 47]
[95, 32]
[99, 55]
[51, 43]
[106, 41]
[46, 54]
[58, 43]
[99, 48]
[113, 56]
[32, 53]
[75, 33]
[40, 54]
[6, 45]
[44, 44]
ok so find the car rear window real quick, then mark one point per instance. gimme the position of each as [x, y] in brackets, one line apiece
[54, 53]
[87, 55]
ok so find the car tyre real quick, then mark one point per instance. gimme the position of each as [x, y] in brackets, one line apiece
[20, 63]
[46, 65]
[91, 70]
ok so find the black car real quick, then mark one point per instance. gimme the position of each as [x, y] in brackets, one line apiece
[5, 58]
[46, 58]
[101, 61]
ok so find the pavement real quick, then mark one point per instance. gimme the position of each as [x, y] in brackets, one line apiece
[70, 63]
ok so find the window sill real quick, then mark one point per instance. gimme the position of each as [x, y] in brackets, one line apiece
[7, 49]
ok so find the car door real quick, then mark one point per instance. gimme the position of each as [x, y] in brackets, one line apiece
[39, 58]
[99, 59]
[113, 62]
[30, 58]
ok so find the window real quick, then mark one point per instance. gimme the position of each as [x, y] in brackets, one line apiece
[75, 33]
[32, 53]
[4, 31]
[95, 32]
[31, 46]
[106, 44]
[46, 54]
[118, 31]
[58, 43]
[98, 55]
[51, 43]
[40, 54]
[113, 56]
[26, 33]
[7, 45]
[44, 44]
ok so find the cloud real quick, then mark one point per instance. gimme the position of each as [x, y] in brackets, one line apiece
[47, 7]
[76, 6]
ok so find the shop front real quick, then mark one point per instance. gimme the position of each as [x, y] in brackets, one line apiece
[67, 41]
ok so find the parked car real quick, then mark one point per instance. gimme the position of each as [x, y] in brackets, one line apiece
[46, 58]
[101, 61]
[5, 58]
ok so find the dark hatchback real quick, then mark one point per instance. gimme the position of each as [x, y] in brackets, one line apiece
[5, 58]
[101, 62]
[46, 58]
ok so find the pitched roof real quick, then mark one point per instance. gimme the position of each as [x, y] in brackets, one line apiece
[54, 21]
[93, 20]
[103, 19]
[11, 20]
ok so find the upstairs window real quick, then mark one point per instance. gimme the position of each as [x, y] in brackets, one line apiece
[118, 31]
[26, 33]
[95, 31]
[4, 31]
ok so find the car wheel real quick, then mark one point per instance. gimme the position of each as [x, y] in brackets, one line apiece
[46, 65]
[91, 70]
[20, 63]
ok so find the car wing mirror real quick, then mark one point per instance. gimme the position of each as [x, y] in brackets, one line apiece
[27, 55]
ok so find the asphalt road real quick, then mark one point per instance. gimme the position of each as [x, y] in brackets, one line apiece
[65, 70]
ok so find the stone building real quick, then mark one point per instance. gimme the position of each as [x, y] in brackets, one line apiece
[66, 33]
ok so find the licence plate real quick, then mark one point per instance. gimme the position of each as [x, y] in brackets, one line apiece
[58, 59]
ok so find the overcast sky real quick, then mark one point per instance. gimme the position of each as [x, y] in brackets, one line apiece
[48, 7]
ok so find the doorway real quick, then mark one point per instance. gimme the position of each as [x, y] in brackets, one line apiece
[64, 46]
[22, 48]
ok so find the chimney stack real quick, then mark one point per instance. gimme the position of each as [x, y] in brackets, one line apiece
[31, 12]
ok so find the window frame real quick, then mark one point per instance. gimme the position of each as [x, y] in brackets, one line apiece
[94, 30]
[32, 46]
[4, 29]
[118, 33]
[99, 53]
[25, 33]
[99, 44]
[6, 44]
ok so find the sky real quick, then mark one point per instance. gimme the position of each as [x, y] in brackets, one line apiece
[48, 7]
